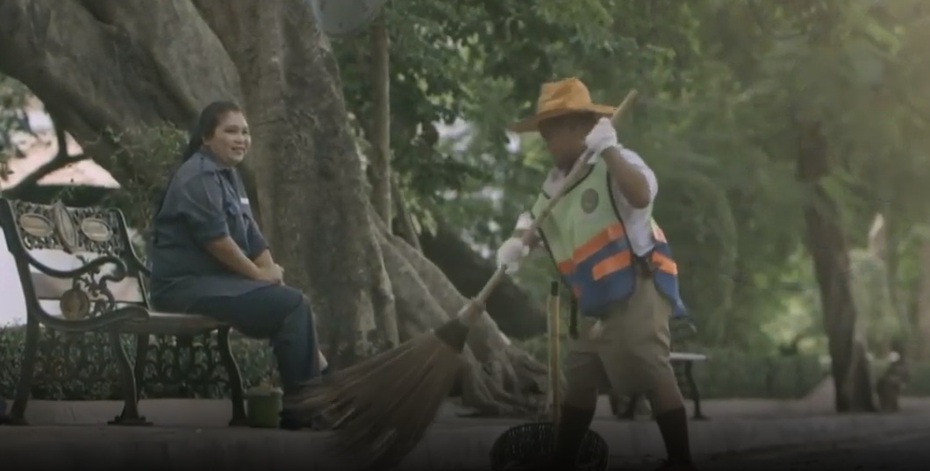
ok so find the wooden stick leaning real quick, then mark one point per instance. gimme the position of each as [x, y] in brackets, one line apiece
[555, 373]
[381, 407]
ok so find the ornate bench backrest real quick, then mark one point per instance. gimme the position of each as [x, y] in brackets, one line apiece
[48, 241]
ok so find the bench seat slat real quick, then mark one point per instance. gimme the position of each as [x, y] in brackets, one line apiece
[682, 356]
[164, 323]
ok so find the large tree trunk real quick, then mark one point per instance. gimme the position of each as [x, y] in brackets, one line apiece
[402, 222]
[828, 248]
[113, 65]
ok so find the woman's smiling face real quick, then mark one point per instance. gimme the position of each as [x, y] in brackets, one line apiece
[230, 141]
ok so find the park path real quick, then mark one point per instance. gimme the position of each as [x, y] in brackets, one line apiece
[191, 434]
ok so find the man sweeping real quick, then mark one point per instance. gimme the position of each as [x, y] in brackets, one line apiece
[615, 259]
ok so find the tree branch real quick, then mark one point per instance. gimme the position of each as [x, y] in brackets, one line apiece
[123, 68]
[379, 174]
[31, 180]
[60, 161]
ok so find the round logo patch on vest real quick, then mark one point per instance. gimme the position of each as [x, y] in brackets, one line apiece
[589, 200]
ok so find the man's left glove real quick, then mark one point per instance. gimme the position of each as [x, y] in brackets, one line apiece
[510, 253]
[601, 137]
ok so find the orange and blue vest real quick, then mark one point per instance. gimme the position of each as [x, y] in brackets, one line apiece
[586, 239]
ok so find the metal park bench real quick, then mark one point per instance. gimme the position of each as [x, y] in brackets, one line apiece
[81, 276]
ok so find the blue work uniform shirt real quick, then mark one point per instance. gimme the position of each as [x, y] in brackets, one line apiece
[205, 200]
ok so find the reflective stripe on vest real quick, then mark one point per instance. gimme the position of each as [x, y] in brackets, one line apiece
[602, 270]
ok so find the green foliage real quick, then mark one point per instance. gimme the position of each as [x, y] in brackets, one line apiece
[13, 97]
[706, 275]
[149, 156]
[447, 60]
[726, 88]
[740, 374]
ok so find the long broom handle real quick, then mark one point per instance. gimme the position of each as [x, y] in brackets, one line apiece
[555, 372]
[471, 312]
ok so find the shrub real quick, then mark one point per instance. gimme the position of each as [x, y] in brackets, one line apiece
[84, 353]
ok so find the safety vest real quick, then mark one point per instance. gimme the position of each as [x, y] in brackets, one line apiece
[586, 239]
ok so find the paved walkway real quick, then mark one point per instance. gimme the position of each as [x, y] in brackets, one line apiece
[192, 435]
[900, 453]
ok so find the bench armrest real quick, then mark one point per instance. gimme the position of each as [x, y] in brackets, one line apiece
[88, 267]
[138, 265]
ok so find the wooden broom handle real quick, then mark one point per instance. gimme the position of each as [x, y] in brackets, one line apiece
[475, 308]
[555, 372]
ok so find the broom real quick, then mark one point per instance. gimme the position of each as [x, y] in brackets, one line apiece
[524, 444]
[381, 407]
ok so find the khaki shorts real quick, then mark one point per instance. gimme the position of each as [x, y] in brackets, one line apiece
[631, 356]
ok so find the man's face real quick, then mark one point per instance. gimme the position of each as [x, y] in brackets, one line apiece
[564, 136]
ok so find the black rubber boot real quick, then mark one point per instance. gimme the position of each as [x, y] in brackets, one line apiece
[569, 436]
[673, 425]
[292, 420]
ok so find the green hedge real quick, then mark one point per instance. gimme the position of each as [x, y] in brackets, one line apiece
[255, 360]
[738, 375]
[728, 374]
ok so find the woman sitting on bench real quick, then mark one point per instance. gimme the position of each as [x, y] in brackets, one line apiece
[208, 256]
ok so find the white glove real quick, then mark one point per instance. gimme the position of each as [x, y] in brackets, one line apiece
[601, 137]
[510, 253]
[524, 222]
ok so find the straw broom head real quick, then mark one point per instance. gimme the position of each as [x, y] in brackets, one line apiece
[383, 406]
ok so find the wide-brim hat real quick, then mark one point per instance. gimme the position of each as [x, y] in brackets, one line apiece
[568, 96]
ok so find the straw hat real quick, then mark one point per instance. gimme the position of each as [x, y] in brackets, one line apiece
[558, 99]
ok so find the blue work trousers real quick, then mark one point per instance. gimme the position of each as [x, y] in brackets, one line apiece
[279, 313]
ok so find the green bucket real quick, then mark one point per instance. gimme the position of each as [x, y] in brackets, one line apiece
[263, 406]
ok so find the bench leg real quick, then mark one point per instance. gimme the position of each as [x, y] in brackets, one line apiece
[26, 372]
[239, 418]
[695, 394]
[142, 349]
[130, 414]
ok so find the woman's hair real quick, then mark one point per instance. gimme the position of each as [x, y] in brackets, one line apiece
[206, 125]
[204, 128]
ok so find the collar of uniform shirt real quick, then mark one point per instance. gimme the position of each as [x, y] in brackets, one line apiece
[210, 162]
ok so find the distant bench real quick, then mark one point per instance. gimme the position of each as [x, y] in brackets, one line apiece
[683, 364]
[80, 274]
